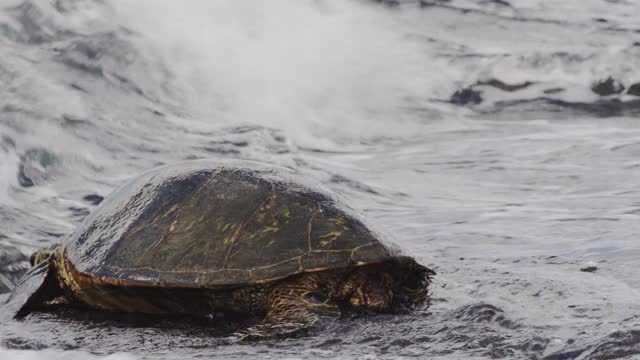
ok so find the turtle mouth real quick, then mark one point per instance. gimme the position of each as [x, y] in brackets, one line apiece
[348, 310]
[363, 302]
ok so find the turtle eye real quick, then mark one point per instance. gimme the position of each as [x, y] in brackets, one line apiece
[315, 297]
[358, 298]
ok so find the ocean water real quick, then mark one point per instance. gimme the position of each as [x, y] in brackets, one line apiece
[497, 141]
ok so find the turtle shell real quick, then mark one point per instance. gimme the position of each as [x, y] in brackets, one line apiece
[207, 224]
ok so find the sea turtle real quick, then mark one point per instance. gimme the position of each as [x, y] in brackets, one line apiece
[239, 237]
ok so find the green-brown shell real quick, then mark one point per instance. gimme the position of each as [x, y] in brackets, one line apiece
[210, 224]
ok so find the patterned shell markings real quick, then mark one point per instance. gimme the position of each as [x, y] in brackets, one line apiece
[212, 226]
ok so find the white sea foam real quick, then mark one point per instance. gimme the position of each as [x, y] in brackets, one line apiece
[8, 169]
[304, 66]
[51, 354]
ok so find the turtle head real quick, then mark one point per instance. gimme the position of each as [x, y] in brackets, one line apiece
[369, 290]
[412, 283]
[386, 287]
[41, 255]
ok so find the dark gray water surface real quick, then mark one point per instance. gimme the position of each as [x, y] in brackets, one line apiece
[498, 143]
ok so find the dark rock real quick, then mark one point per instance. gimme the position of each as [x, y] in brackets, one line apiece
[634, 89]
[553, 90]
[504, 86]
[94, 199]
[465, 97]
[607, 87]
[589, 269]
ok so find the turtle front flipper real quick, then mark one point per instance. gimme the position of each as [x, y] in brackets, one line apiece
[35, 289]
[293, 307]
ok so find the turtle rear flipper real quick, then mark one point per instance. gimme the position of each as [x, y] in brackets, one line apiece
[35, 288]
